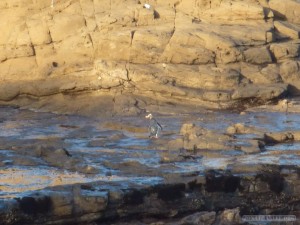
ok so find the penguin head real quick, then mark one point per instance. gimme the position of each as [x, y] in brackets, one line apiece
[149, 116]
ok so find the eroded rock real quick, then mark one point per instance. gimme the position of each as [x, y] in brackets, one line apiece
[112, 50]
[259, 92]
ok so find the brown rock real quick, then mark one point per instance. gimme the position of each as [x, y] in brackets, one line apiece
[251, 146]
[266, 75]
[271, 74]
[19, 69]
[278, 137]
[216, 96]
[86, 201]
[288, 29]
[288, 9]
[235, 10]
[260, 92]
[285, 50]
[38, 31]
[290, 71]
[9, 91]
[66, 24]
[152, 48]
[62, 204]
[171, 52]
[238, 128]
[258, 55]
[176, 144]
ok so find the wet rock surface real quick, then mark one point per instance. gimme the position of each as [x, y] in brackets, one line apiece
[207, 168]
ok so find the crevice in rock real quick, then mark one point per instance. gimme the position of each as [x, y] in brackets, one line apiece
[34, 206]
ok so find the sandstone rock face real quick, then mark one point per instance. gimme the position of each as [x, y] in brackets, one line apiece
[289, 9]
[195, 50]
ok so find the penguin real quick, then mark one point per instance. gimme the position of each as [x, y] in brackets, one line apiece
[154, 127]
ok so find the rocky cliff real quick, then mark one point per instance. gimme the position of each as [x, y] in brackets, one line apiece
[128, 57]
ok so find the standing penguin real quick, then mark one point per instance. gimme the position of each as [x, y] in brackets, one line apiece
[154, 127]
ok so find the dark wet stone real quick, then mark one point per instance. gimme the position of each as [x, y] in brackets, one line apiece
[169, 192]
[216, 182]
[195, 185]
[274, 180]
[223, 190]
[35, 204]
[58, 157]
[134, 197]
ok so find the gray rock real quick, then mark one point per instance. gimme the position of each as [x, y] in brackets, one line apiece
[290, 70]
[263, 92]
[258, 55]
[9, 91]
[216, 96]
[200, 218]
[251, 146]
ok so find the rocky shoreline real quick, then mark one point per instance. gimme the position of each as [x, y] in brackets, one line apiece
[219, 197]
[70, 169]
[78, 76]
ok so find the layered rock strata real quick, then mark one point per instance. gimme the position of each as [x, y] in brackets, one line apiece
[211, 53]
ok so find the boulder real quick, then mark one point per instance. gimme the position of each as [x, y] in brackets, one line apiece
[195, 137]
[278, 137]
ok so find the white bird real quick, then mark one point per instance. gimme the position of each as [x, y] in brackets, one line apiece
[147, 6]
[154, 127]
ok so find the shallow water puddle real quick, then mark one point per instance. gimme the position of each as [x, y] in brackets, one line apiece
[291, 146]
[20, 179]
